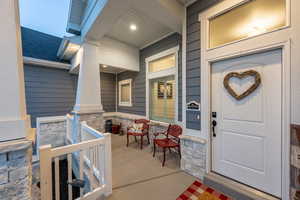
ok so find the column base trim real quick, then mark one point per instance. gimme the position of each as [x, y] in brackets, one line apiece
[14, 129]
[87, 109]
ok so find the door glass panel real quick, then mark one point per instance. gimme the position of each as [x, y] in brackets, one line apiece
[252, 18]
[162, 63]
[162, 99]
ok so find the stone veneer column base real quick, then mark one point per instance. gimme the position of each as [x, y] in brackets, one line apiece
[16, 169]
[193, 152]
[94, 120]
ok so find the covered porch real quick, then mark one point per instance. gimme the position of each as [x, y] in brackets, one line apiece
[112, 61]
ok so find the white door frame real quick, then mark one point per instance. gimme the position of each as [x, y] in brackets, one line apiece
[279, 39]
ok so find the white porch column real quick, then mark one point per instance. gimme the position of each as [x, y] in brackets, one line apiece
[88, 98]
[14, 122]
[88, 105]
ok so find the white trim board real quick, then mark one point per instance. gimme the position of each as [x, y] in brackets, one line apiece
[279, 39]
[45, 63]
[183, 89]
[163, 73]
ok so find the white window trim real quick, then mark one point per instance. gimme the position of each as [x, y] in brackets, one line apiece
[123, 82]
[162, 73]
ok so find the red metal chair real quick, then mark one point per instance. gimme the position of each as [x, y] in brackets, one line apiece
[144, 132]
[171, 140]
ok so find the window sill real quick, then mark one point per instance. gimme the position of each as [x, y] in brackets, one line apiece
[125, 104]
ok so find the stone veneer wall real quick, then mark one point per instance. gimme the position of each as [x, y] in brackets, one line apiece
[51, 130]
[94, 120]
[128, 120]
[15, 170]
[295, 163]
[193, 152]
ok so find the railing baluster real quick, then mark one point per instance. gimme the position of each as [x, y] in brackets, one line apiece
[94, 157]
[70, 178]
[91, 167]
[97, 157]
[57, 183]
[81, 156]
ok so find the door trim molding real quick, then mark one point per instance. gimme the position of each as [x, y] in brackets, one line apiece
[280, 39]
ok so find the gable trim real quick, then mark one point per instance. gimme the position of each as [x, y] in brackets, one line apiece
[45, 63]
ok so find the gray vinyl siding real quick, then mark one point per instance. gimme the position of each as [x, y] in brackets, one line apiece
[108, 91]
[139, 78]
[193, 59]
[49, 91]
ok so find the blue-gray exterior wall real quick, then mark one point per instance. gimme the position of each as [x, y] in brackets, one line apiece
[49, 91]
[52, 92]
[139, 78]
[193, 59]
[108, 91]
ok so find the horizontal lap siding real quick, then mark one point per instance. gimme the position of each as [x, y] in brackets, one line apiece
[193, 58]
[108, 91]
[49, 92]
[139, 78]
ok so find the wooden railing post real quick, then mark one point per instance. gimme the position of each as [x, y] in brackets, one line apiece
[108, 164]
[46, 172]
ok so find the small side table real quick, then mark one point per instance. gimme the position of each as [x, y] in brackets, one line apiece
[116, 128]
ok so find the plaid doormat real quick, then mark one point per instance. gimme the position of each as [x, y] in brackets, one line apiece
[199, 191]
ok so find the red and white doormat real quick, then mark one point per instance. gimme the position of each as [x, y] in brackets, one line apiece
[199, 191]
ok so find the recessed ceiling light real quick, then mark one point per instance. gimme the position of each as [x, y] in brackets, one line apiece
[104, 66]
[133, 27]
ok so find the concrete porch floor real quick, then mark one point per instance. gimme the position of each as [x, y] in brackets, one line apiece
[137, 175]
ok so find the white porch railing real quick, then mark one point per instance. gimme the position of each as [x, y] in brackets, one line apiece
[94, 160]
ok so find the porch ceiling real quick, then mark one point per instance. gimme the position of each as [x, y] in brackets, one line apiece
[148, 29]
[154, 19]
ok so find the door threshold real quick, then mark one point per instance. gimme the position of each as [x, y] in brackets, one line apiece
[235, 189]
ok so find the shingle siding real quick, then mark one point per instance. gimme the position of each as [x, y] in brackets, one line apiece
[139, 78]
[49, 91]
[193, 58]
[108, 91]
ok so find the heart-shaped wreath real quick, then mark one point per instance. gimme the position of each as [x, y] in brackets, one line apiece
[242, 75]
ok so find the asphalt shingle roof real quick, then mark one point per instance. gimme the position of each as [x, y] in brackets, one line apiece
[40, 45]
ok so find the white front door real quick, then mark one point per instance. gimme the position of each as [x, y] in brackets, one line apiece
[247, 142]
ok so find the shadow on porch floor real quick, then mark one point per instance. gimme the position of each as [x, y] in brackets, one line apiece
[137, 175]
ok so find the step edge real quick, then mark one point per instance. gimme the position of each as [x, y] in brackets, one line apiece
[238, 187]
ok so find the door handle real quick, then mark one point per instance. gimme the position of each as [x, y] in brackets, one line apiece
[214, 124]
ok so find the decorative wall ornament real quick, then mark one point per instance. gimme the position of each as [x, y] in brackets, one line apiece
[242, 75]
[193, 105]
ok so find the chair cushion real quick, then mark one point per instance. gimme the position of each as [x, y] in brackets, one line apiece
[166, 142]
[136, 128]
